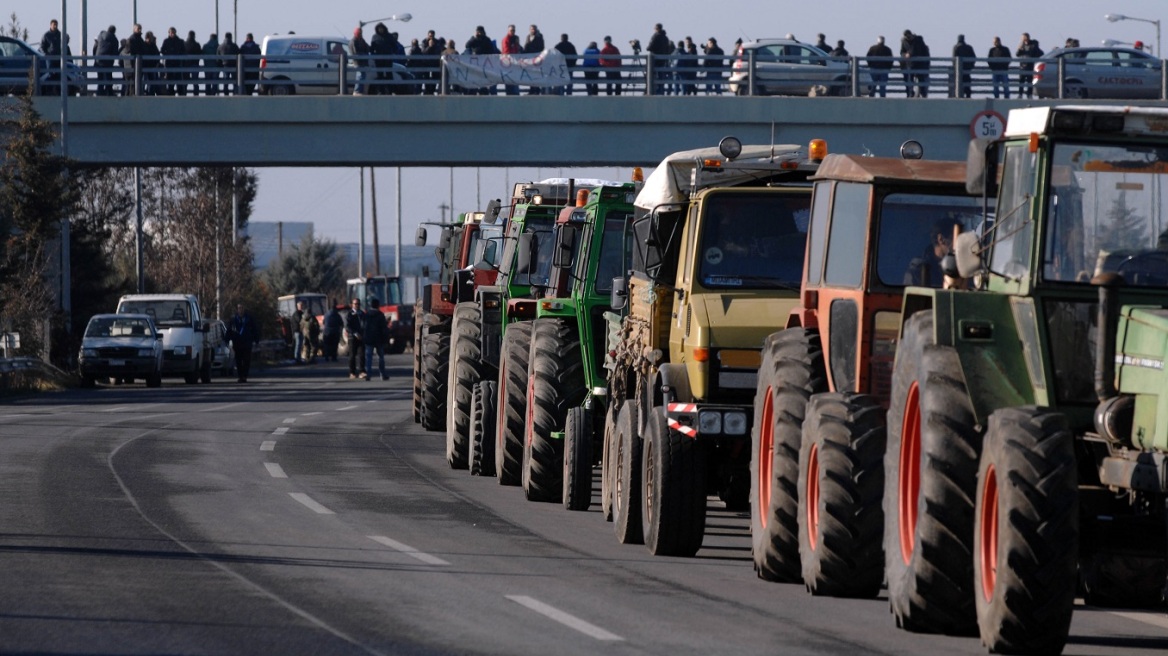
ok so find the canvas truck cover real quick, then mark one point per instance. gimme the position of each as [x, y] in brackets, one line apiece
[671, 181]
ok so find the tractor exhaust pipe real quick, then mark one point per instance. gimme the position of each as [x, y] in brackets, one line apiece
[1108, 323]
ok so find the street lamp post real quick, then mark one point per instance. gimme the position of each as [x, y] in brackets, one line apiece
[1114, 18]
[402, 18]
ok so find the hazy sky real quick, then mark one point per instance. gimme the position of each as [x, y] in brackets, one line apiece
[330, 197]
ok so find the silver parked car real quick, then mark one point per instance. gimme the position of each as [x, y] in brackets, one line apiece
[1102, 72]
[122, 347]
[792, 68]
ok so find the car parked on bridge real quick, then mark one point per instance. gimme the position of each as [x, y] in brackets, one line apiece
[1098, 72]
[16, 62]
[124, 347]
[791, 68]
[293, 64]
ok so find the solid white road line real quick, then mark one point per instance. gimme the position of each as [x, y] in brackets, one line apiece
[408, 550]
[567, 620]
[310, 503]
[275, 470]
[290, 420]
[283, 430]
[1146, 618]
[268, 445]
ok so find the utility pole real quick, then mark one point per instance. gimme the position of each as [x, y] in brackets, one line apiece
[397, 244]
[361, 246]
[376, 242]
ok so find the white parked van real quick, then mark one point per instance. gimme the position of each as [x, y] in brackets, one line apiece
[185, 348]
[294, 64]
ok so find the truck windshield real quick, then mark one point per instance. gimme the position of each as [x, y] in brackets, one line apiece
[754, 240]
[1106, 214]
[387, 291]
[165, 313]
[916, 231]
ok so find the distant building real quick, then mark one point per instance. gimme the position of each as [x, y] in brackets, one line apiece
[270, 238]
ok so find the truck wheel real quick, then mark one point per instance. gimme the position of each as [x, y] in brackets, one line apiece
[205, 372]
[88, 382]
[435, 374]
[482, 420]
[1113, 579]
[626, 488]
[792, 370]
[555, 384]
[608, 460]
[191, 378]
[673, 498]
[511, 407]
[841, 485]
[577, 493]
[154, 380]
[1027, 532]
[466, 369]
[930, 469]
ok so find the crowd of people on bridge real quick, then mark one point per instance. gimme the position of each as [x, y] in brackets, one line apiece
[180, 66]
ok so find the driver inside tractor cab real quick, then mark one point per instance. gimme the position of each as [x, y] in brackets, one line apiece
[753, 241]
[925, 270]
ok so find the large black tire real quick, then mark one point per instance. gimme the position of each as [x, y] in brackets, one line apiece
[626, 489]
[792, 370]
[673, 497]
[511, 406]
[608, 459]
[1027, 532]
[466, 370]
[482, 443]
[205, 370]
[420, 327]
[555, 384]
[578, 459]
[841, 487]
[435, 376]
[154, 380]
[191, 378]
[1115, 579]
[88, 382]
[928, 527]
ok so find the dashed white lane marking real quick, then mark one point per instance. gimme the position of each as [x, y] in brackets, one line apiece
[408, 550]
[221, 407]
[290, 420]
[310, 414]
[268, 445]
[348, 407]
[570, 621]
[275, 470]
[280, 431]
[310, 503]
[1146, 618]
[117, 409]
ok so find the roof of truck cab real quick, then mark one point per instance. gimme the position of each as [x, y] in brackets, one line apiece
[857, 168]
[670, 181]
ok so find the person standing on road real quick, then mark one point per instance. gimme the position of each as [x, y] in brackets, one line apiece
[999, 56]
[297, 334]
[591, 65]
[879, 63]
[243, 334]
[355, 329]
[310, 329]
[964, 54]
[333, 326]
[376, 337]
[610, 61]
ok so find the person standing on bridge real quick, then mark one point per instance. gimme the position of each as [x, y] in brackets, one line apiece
[359, 51]
[1028, 53]
[135, 75]
[533, 46]
[879, 63]
[172, 48]
[211, 66]
[999, 56]
[713, 63]
[610, 61]
[228, 52]
[660, 47]
[251, 63]
[243, 334]
[511, 47]
[106, 50]
[964, 54]
[565, 48]
[192, 50]
[591, 66]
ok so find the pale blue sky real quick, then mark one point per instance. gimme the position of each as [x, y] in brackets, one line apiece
[330, 198]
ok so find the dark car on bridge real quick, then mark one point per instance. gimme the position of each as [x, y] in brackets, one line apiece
[1098, 72]
[122, 347]
[16, 63]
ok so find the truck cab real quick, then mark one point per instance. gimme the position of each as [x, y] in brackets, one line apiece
[179, 318]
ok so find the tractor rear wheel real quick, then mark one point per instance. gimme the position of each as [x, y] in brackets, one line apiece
[555, 383]
[511, 404]
[578, 459]
[1027, 532]
[930, 468]
[466, 369]
[792, 370]
[626, 489]
[673, 497]
[482, 421]
[841, 485]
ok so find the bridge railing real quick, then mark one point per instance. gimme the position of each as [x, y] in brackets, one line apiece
[680, 75]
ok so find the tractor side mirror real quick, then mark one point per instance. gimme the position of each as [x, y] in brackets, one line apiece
[966, 255]
[565, 243]
[981, 167]
[420, 236]
[620, 293]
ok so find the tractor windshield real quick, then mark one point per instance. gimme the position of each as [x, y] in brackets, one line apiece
[1106, 214]
[754, 240]
[915, 233]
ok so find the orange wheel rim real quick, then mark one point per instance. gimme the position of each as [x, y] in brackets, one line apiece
[909, 481]
[988, 539]
[812, 495]
[766, 452]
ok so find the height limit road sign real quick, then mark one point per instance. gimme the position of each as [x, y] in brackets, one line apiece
[987, 124]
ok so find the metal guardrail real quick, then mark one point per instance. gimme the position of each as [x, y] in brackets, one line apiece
[425, 75]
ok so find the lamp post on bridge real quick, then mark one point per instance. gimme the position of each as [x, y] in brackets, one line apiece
[1114, 18]
[401, 18]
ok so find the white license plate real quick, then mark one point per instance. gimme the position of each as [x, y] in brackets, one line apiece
[117, 363]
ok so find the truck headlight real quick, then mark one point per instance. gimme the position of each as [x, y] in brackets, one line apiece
[89, 353]
[145, 353]
[182, 350]
[734, 423]
[710, 422]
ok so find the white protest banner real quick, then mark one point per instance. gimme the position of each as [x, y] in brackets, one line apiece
[545, 69]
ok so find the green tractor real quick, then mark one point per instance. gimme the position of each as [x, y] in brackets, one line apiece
[480, 346]
[1028, 422]
[566, 387]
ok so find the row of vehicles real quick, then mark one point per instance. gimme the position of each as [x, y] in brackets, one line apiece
[940, 379]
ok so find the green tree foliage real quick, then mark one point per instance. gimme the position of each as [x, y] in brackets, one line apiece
[311, 266]
[1123, 228]
[36, 195]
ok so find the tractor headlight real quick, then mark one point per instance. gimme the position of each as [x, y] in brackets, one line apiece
[734, 423]
[710, 422]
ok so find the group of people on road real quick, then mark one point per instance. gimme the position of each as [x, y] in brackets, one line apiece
[368, 335]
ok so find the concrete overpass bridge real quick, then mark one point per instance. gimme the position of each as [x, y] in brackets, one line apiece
[546, 131]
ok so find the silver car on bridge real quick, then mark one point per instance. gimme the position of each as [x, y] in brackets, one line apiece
[791, 68]
[1098, 72]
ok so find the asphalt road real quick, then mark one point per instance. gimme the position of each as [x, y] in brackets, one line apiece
[304, 513]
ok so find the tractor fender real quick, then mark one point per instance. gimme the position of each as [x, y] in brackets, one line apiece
[672, 384]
